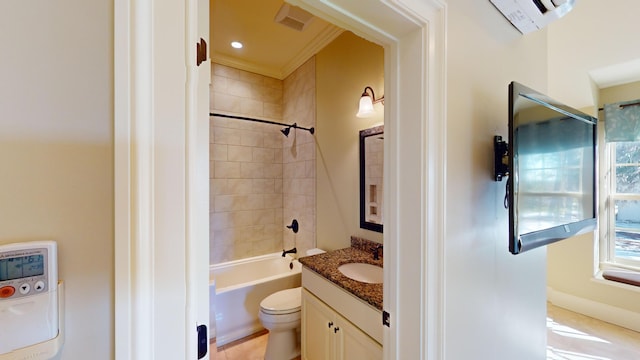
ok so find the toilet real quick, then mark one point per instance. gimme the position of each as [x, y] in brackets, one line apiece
[280, 314]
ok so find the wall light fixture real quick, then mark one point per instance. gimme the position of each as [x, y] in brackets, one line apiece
[366, 103]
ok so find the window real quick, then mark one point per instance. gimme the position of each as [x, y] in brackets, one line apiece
[620, 225]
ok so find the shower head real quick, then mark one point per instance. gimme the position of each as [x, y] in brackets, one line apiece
[286, 130]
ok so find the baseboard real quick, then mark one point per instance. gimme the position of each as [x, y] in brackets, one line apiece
[611, 314]
[238, 334]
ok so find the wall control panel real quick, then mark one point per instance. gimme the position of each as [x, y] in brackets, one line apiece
[28, 294]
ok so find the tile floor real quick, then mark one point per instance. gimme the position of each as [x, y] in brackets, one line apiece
[570, 336]
[250, 348]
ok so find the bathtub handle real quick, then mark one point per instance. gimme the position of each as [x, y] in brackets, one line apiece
[330, 324]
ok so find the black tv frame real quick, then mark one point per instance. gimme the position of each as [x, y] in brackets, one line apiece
[504, 167]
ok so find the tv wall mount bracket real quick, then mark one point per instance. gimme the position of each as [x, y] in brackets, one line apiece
[500, 158]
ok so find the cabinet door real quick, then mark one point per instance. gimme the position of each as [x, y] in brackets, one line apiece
[353, 343]
[317, 329]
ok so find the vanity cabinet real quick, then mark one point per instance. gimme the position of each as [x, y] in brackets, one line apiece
[327, 335]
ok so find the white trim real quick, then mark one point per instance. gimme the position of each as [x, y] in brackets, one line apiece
[122, 176]
[607, 265]
[611, 314]
[193, 230]
[413, 35]
[133, 169]
[436, 208]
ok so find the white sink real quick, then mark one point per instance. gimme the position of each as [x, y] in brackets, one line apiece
[362, 272]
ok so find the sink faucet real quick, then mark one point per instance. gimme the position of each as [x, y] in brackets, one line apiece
[292, 251]
[376, 252]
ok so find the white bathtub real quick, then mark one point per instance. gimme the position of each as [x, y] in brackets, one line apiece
[239, 287]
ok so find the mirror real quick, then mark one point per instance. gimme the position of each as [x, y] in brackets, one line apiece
[371, 184]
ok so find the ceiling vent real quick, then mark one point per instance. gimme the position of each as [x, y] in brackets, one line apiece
[293, 17]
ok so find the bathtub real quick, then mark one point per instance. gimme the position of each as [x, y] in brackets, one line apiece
[237, 288]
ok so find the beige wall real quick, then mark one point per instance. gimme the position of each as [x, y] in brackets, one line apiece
[626, 92]
[592, 37]
[484, 283]
[343, 69]
[573, 264]
[56, 151]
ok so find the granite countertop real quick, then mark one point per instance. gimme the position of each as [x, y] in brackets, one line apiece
[326, 265]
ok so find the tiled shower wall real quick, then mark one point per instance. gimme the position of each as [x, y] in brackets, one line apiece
[299, 157]
[248, 175]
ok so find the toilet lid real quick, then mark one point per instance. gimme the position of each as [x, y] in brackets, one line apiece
[282, 302]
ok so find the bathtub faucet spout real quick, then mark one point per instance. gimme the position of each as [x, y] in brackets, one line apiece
[292, 251]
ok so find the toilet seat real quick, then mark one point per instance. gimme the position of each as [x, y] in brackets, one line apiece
[282, 302]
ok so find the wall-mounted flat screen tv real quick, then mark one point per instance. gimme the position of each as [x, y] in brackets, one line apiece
[551, 170]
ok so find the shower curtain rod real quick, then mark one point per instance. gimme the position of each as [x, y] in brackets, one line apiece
[294, 125]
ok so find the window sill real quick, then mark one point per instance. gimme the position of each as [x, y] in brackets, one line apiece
[622, 276]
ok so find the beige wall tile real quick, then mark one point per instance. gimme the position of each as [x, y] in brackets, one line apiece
[219, 186]
[263, 155]
[240, 186]
[254, 202]
[225, 102]
[252, 138]
[251, 107]
[264, 216]
[227, 136]
[240, 153]
[273, 201]
[226, 169]
[272, 83]
[225, 71]
[240, 89]
[252, 78]
[272, 110]
[248, 193]
[224, 203]
[270, 95]
[273, 140]
[273, 171]
[263, 186]
[218, 152]
[252, 170]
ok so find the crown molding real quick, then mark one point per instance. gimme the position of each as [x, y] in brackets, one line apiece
[324, 38]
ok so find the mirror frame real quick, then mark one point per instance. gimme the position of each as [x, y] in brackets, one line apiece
[364, 224]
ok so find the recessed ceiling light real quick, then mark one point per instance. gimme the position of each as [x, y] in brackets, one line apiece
[236, 44]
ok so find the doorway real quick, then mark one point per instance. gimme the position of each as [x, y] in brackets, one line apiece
[413, 36]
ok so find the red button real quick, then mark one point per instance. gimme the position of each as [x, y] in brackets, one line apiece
[7, 291]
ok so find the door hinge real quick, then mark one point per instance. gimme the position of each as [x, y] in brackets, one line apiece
[202, 340]
[386, 321]
[201, 52]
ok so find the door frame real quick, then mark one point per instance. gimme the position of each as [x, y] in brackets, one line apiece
[413, 34]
